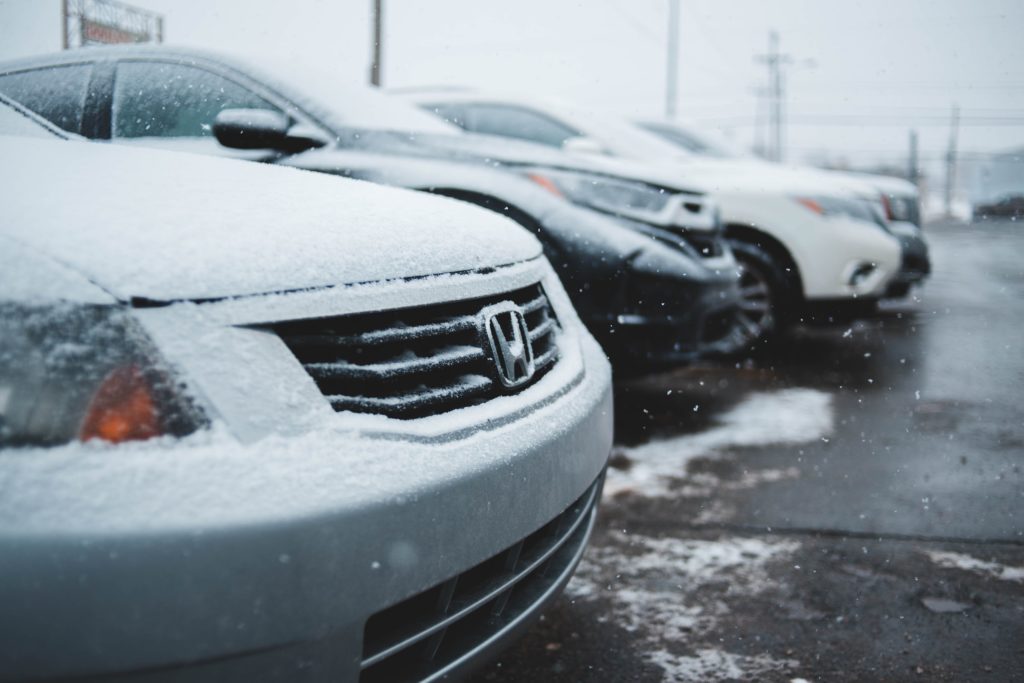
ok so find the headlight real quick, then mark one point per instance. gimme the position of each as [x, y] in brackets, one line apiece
[902, 209]
[858, 209]
[630, 199]
[83, 372]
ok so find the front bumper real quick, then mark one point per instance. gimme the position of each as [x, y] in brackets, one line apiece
[701, 323]
[837, 257]
[214, 558]
[915, 265]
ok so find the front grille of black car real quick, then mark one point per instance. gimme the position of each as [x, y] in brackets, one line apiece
[432, 630]
[718, 325]
[414, 362]
[915, 264]
[706, 244]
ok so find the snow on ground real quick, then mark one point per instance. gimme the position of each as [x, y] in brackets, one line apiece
[672, 591]
[788, 416]
[708, 665]
[950, 560]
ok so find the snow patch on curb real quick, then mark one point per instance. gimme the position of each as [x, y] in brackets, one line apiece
[789, 416]
[951, 560]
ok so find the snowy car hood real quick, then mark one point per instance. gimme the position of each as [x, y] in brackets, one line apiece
[886, 184]
[753, 176]
[167, 226]
[502, 151]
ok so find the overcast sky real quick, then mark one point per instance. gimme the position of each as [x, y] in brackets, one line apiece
[865, 71]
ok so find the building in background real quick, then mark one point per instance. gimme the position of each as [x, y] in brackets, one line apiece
[108, 22]
[997, 184]
[34, 27]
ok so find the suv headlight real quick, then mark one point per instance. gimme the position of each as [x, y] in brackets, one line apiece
[72, 372]
[858, 209]
[628, 198]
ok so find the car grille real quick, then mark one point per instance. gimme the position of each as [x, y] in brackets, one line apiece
[415, 362]
[915, 264]
[433, 630]
[707, 245]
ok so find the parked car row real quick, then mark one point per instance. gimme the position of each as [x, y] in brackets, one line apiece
[811, 245]
[265, 423]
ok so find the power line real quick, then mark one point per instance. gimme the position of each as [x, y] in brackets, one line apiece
[878, 120]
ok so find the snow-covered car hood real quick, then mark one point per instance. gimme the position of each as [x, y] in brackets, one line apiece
[503, 152]
[889, 185]
[167, 226]
[724, 176]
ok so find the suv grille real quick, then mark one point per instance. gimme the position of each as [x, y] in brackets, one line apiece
[414, 362]
[429, 632]
[706, 244]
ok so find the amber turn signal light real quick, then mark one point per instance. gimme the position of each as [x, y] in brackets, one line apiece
[122, 409]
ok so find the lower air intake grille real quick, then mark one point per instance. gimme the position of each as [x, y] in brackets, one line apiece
[415, 362]
[433, 630]
[707, 244]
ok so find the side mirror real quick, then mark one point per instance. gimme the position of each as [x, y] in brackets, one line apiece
[583, 145]
[262, 129]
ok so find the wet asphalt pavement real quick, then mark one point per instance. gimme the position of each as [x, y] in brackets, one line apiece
[846, 506]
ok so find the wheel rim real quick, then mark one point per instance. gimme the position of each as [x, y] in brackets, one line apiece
[755, 316]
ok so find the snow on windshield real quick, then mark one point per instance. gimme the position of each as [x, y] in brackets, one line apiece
[349, 105]
[693, 139]
[621, 137]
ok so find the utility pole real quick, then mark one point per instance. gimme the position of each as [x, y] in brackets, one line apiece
[912, 162]
[776, 61]
[672, 67]
[760, 145]
[954, 129]
[64, 24]
[375, 63]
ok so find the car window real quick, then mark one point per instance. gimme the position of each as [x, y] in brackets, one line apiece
[55, 93]
[155, 99]
[516, 122]
[676, 136]
[454, 114]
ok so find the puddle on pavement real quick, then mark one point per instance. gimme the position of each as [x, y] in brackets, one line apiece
[944, 605]
[876, 356]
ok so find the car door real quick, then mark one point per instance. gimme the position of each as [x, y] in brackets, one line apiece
[173, 105]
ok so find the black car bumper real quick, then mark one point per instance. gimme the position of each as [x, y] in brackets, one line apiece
[675, 322]
[915, 266]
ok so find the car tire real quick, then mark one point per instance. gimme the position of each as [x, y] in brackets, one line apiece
[767, 296]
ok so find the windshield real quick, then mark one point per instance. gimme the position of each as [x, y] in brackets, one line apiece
[346, 105]
[693, 141]
[618, 135]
